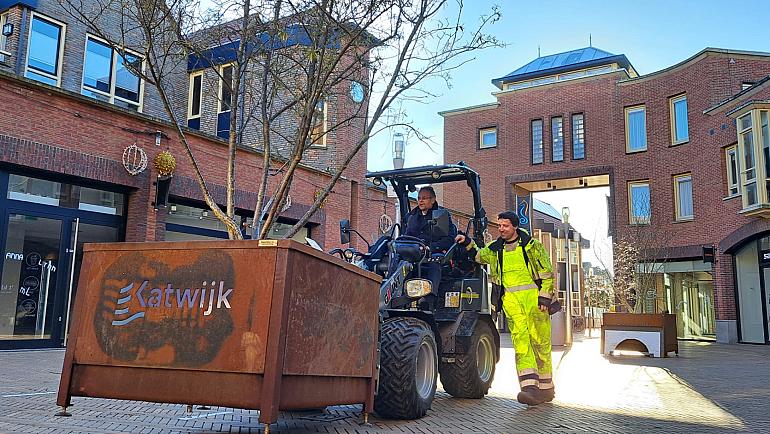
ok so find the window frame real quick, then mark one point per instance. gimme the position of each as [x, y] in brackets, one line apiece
[59, 48]
[325, 126]
[193, 76]
[484, 131]
[634, 220]
[553, 139]
[4, 39]
[628, 110]
[221, 82]
[733, 172]
[677, 197]
[745, 181]
[532, 142]
[113, 75]
[583, 132]
[672, 118]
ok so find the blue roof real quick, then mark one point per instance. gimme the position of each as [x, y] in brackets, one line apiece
[545, 208]
[6, 4]
[226, 53]
[569, 60]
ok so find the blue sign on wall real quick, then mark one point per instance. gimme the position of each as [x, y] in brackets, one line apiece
[524, 211]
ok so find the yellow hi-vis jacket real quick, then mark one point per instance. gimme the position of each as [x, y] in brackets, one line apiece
[516, 276]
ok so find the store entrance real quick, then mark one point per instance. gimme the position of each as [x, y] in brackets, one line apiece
[42, 244]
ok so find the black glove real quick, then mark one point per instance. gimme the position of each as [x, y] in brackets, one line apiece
[552, 305]
[467, 240]
[544, 301]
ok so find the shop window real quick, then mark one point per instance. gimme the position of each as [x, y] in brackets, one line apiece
[683, 197]
[537, 141]
[108, 75]
[636, 129]
[45, 192]
[733, 171]
[194, 97]
[578, 137]
[44, 50]
[678, 114]
[488, 138]
[639, 209]
[557, 137]
[765, 139]
[319, 132]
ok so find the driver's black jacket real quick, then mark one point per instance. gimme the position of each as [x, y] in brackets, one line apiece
[417, 225]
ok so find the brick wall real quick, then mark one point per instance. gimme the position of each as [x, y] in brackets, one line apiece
[71, 135]
[706, 79]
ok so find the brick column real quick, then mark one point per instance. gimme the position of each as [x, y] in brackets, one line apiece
[724, 299]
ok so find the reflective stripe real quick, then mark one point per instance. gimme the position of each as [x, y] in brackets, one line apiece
[546, 275]
[527, 371]
[521, 287]
[545, 294]
[526, 383]
[545, 386]
[545, 377]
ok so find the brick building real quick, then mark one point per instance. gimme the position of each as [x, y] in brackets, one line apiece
[681, 175]
[70, 115]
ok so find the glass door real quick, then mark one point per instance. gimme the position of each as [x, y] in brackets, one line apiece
[30, 272]
[81, 233]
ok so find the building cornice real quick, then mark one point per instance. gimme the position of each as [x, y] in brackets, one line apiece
[471, 109]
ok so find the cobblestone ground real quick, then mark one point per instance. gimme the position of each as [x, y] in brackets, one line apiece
[709, 388]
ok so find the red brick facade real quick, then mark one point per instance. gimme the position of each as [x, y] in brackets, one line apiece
[55, 132]
[707, 79]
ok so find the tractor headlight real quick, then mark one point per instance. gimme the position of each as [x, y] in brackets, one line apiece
[416, 288]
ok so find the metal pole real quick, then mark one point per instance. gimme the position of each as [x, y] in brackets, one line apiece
[568, 295]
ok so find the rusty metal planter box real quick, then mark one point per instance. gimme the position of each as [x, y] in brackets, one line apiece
[268, 325]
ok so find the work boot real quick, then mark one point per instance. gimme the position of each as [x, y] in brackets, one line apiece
[546, 395]
[529, 395]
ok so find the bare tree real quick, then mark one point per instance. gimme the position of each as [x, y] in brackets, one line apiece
[639, 253]
[290, 60]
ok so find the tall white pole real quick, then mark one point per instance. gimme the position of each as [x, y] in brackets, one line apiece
[568, 295]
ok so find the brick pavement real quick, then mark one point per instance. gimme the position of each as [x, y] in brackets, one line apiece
[709, 388]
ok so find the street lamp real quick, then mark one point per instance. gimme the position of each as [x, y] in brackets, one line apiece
[398, 151]
[568, 295]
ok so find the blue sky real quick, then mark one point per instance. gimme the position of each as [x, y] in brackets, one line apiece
[652, 34]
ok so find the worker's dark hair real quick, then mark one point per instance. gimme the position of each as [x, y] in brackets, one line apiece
[511, 216]
[429, 189]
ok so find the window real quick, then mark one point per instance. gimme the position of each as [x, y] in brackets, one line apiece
[765, 139]
[537, 141]
[194, 101]
[3, 38]
[225, 96]
[108, 75]
[225, 91]
[44, 50]
[678, 110]
[488, 138]
[639, 210]
[578, 137]
[636, 129]
[747, 161]
[733, 172]
[683, 195]
[318, 133]
[557, 136]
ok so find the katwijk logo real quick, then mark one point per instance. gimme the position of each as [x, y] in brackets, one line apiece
[170, 297]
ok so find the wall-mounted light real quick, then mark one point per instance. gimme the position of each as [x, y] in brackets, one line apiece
[204, 213]
[7, 29]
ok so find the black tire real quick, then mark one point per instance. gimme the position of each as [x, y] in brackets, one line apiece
[471, 375]
[408, 369]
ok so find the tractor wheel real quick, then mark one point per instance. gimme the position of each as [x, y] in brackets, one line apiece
[471, 375]
[408, 369]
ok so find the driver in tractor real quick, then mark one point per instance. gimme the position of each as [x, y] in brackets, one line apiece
[418, 225]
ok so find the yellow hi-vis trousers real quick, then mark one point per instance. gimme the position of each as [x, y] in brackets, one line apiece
[531, 334]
